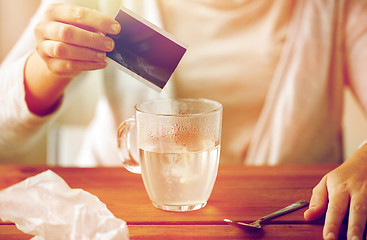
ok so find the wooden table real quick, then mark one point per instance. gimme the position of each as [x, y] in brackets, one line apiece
[240, 193]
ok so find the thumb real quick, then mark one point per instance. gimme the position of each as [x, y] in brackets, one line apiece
[318, 202]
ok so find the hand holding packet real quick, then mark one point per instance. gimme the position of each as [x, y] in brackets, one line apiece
[144, 51]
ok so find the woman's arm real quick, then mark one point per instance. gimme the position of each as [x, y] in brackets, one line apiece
[345, 188]
[69, 40]
[60, 42]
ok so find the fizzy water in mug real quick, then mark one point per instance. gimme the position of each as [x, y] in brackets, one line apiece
[179, 177]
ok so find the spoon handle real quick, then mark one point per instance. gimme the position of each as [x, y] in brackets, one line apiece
[297, 205]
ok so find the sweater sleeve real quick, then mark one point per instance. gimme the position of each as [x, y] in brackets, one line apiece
[356, 50]
[19, 127]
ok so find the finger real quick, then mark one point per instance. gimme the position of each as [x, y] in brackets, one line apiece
[337, 208]
[63, 67]
[357, 216]
[71, 52]
[82, 16]
[73, 35]
[318, 202]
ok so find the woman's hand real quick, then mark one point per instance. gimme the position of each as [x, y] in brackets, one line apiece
[69, 40]
[343, 189]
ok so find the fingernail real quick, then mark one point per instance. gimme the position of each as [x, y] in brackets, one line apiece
[108, 44]
[115, 27]
[102, 64]
[330, 236]
[355, 238]
[101, 55]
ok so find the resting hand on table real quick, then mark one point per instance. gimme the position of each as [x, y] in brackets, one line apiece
[69, 40]
[343, 189]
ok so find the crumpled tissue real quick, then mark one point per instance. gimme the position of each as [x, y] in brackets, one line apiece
[45, 206]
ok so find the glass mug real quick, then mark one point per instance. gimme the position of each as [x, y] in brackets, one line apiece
[178, 142]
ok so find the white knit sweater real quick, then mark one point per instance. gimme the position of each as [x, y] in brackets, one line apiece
[299, 120]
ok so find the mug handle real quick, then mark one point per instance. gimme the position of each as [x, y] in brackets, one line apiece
[126, 145]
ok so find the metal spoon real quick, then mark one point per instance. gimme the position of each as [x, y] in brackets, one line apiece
[256, 225]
